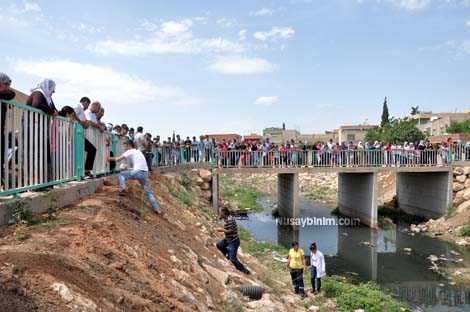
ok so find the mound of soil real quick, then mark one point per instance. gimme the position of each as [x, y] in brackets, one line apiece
[112, 253]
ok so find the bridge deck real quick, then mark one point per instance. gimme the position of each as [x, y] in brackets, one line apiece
[222, 170]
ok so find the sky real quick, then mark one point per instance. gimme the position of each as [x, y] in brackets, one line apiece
[213, 66]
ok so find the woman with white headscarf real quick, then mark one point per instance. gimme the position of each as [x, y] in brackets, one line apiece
[5, 94]
[41, 97]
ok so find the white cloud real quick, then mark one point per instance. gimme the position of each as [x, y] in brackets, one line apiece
[411, 5]
[241, 66]
[31, 7]
[465, 46]
[101, 83]
[242, 35]
[262, 12]
[267, 100]
[86, 28]
[174, 29]
[227, 22]
[170, 37]
[275, 33]
[467, 24]
[148, 25]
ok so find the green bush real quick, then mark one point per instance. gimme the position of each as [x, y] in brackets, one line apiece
[259, 248]
[367, 296]
[464, 230]
[244, 234]
[241, 196]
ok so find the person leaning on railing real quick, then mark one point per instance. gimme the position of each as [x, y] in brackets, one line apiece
[41, 98]
[81, 118]
[5, 94]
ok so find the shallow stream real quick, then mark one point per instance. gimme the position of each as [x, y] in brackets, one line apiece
[365, 254]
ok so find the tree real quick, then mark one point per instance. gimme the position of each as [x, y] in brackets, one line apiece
[397, 131]
[459, 127]
[374, 134]
[385, 116]
[403, 131]
[415, 110]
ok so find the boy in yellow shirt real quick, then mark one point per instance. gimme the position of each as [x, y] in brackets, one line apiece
[296, 264]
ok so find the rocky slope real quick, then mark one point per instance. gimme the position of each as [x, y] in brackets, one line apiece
[111, 253]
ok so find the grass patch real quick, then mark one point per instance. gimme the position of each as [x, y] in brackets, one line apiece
[464, 230]
[18, 270]
[261, 248]
[22, 213]
[244, 234]
[21, 236]
[451, 211]
[182, 196]
[84, 207]
[240, 196]
[142, 211]
[53, 223]
[366, 296]
[186, 183]
[322, 193]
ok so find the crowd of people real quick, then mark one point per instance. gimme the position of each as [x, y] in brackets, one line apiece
[230, 153]
[291, 154]
[89, 115]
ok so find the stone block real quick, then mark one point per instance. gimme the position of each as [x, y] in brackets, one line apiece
[466, 170]
[461, 178]
[456, 186]
[458, 171]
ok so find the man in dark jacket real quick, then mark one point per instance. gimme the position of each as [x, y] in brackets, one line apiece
[5, 94]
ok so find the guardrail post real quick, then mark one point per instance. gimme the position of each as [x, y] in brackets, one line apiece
[213, 156]
[79, 151]
[157, 164]
[114, 148]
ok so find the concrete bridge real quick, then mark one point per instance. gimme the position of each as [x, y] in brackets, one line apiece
[423, 191]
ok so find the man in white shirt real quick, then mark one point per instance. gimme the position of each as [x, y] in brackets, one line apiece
[90, 115]
[139, 140]
[317, 267]
[89, 148]
[139, 172]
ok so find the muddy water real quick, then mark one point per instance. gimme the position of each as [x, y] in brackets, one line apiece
[382, 260]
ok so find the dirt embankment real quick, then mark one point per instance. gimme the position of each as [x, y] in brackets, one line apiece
[111, 253]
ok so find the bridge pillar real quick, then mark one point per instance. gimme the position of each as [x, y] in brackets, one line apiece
[288, 195]
[426, 194]
[357, 196]
[215, 192]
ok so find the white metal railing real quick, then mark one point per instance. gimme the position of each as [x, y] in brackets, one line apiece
[315, 158]
[62, 146]
[169, 155]
[38, 150]
[26, 158]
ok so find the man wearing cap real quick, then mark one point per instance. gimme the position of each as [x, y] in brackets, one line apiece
[5, 94]
[229, 245]
[139, 172]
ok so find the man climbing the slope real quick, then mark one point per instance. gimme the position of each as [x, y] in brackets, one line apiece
[138, 171]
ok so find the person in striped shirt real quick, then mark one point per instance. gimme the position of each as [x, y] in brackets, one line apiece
[229, 245]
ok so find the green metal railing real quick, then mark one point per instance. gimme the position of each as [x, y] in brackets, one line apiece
[40, 151]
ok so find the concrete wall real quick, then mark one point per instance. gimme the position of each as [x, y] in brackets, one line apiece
[288, 195]
[426, 194]
[59, 197]
[357, 196]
